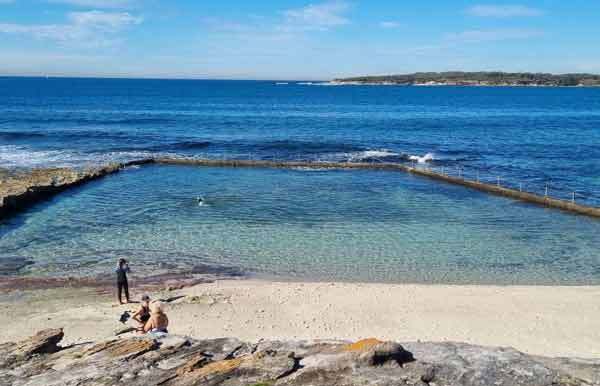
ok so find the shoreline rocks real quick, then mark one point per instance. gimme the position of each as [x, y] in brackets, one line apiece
[201, 273]
[179, 361]
[20, 190]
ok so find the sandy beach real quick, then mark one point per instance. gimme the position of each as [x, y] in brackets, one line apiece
[550, 321]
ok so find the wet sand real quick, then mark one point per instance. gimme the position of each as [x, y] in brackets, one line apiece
[551, 321]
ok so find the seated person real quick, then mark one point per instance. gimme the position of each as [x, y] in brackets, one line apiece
[143, 314]
[158, 321]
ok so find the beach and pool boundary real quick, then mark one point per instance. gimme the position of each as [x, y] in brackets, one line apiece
[17, 197]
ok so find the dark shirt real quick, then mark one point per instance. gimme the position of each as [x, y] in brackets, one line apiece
[122, 274]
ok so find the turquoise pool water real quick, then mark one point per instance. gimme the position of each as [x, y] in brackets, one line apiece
[306, 224]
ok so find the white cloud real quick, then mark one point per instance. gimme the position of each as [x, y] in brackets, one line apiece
[389, 24]
[503, 11]
[115, 20]
[6, 1]
[93, 28]
[476, 36]
[321, 16]
[94, 3]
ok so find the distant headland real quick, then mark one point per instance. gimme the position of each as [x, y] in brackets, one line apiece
[490, 78]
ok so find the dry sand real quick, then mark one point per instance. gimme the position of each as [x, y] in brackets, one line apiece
[552, 321]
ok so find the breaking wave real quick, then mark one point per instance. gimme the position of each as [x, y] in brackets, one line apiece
[374, 155]
[23, 157]
[422, 159]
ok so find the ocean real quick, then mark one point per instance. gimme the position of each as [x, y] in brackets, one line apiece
[350, 225]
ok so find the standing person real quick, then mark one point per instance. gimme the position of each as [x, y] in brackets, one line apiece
[122, 284]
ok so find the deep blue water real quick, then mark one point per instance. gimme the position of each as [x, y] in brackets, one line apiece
[346, 225]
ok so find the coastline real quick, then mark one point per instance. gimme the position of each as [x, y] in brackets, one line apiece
[355, 83]
[550, 321]
[479, 78]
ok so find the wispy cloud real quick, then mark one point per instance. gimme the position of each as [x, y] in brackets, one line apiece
[104, 20]
[95, 3]
[389, 24]
[6, 1]
[289, 25]
[503, 11]
[322, 16]
[476, 36]
[92, 28]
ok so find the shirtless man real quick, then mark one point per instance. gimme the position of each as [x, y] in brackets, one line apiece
[158, 321]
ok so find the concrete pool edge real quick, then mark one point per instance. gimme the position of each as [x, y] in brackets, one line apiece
[20, 192]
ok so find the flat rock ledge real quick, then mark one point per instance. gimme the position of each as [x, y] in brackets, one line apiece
[178, 360]
[19, 190]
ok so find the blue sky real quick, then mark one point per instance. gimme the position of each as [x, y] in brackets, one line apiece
[294, 39]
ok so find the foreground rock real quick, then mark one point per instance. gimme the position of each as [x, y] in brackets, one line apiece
[176, 360]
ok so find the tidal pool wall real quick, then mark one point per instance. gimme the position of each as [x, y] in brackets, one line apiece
[19, 192]
[494, 189]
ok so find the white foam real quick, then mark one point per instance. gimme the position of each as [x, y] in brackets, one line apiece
[311, 169]
[424, 159]
[368, 154]
[19, 156]
[357, 156]
[12, 156]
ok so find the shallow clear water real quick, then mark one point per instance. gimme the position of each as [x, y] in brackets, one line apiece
[344, 225]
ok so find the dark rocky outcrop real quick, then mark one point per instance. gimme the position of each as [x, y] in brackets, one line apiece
[178, 361]
[19, 190]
